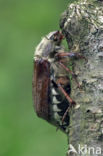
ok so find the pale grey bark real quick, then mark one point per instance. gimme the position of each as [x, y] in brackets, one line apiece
[82, 24]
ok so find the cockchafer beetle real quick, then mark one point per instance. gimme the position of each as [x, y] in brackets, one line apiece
[51, 83]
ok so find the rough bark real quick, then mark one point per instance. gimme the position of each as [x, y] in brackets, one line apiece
[82, 24]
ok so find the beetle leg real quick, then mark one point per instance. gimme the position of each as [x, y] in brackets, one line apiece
[66, 95]
[71, 55]
[64, 92]
[67, 110]
[73, 74]
[72, 103]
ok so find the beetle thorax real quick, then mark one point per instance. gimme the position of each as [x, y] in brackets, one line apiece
[44, 48]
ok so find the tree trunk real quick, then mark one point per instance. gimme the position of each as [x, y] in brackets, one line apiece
[82, 24]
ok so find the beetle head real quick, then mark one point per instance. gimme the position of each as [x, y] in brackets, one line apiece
[56, 37]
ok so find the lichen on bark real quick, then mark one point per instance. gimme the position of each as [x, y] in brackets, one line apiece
[82, 24]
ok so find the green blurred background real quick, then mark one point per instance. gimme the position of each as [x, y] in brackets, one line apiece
[22, 24]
